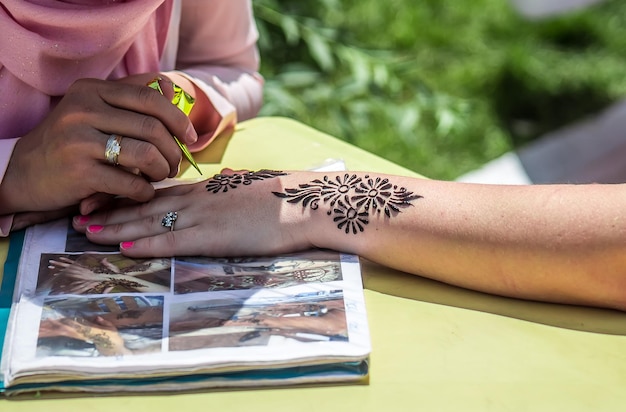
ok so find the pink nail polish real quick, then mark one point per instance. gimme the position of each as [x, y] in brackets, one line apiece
[95, 228]
[82, 219]
[127, 245]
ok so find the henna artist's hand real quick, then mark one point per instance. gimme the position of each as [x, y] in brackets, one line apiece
[233, 214]
[25, 219]
[62, 161]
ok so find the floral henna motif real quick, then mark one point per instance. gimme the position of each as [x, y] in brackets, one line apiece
[349, 218]
[305, 193]
[221, 183]
[379, 194]
[112, 283]
[333, 190]
[351, 199]
[327, 190]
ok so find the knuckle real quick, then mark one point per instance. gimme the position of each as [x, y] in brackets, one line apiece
[79, 172]
[115, 229]
[143, 210]
[170, 241]
[138, 184]
[180, 119]
[152, 221]
[150, 126]
[147, 96]
[149, 155]
[152, 162]
[105, 215]
[79, 86]
[133, 186]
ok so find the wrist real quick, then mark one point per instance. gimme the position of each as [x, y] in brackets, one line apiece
[11, 190]
[345, 210]
[317, 214]
[7, 146]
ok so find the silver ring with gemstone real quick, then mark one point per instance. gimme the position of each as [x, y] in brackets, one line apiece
[112, 149]
[169, 219]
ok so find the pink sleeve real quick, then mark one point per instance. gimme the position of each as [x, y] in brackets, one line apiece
[217, 51]
[6, 150]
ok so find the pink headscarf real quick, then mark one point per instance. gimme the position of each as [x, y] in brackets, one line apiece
[48, 44]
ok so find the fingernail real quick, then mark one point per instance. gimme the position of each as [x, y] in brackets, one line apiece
[192, 136]
[82, 219]
[175, 172]
[95, 228]
[126, 245]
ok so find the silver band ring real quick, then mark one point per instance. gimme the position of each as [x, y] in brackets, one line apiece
[169, 219]
[112, 150]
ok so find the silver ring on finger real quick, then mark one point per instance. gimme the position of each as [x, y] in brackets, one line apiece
[112, 149]
[169, 219]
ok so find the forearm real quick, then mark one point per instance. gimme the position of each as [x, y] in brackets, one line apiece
[221, 62]
[557, 243]
[241, 87]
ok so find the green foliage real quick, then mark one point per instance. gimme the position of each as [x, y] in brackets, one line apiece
[563, 70]
[439, 86]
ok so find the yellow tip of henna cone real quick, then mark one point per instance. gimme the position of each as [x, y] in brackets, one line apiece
[187, 154]
[184, 101]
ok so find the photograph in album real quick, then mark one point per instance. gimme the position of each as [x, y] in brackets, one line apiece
[101, 326]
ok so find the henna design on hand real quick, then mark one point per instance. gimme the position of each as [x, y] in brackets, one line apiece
[111, 283]
[351, 199]
[222, 182]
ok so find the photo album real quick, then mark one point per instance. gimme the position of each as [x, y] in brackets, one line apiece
[81, 317]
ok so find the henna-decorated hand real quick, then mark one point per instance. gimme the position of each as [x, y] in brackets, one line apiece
[251, 213]
[77, 278]
[99, 331]
[72, 269]
[231, 214]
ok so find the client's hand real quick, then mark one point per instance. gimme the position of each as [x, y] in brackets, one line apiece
[227, 215]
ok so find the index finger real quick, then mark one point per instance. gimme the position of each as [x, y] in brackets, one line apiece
[143, 99]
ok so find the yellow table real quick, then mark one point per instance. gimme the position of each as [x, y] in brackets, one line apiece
[435, 347]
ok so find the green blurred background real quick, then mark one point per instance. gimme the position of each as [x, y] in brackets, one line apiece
[438, 86]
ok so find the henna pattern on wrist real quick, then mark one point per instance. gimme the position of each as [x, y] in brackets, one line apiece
[351, 199]
[222, 182]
